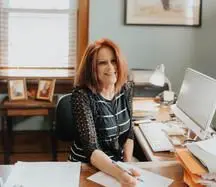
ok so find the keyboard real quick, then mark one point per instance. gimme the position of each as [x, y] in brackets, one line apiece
[156, 137]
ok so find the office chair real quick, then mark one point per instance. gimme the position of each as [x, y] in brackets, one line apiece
[64, 129]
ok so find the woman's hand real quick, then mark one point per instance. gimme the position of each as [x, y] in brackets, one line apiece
[129, 180]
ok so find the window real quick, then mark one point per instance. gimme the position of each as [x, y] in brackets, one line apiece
[39, 35]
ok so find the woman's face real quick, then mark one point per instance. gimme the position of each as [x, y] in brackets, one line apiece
[106, 67]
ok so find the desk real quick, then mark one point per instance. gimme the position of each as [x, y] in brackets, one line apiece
[25, 108]
[161, 115]
[171, 169]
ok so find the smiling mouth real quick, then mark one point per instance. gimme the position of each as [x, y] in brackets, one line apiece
[110, 74]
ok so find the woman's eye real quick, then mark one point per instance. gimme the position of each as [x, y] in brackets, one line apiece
[105, 62]
[102, 62]
[113, 61]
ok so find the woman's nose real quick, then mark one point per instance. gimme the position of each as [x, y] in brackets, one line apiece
[110, 64]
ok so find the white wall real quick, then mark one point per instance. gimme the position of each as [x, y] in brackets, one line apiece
[148, 46]
[205, 41]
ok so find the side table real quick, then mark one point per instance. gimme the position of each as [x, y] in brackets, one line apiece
[26, 108]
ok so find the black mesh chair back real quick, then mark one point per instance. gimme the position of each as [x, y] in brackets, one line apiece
[65, 128]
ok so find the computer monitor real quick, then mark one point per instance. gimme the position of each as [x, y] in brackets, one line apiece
[196, 102]
[213, 123]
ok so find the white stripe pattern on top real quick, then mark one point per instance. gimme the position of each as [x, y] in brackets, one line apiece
[110, 116]
[77, 153]
[122, 124]
[101, 101]
[114, 127]
[119, 96]
[106, 116]
[121, 111]
[77, 147]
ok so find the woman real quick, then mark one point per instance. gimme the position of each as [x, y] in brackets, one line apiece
[101, 105]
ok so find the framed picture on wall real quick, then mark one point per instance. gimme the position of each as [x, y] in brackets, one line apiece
[17, 89]
[46, 89]
[163, 12]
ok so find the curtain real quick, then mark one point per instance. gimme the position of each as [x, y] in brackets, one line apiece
[39, 35]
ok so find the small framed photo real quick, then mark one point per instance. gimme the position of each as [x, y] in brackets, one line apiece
[46, 89]
[17, 89]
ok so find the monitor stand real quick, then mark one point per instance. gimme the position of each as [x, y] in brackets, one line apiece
[190, 124]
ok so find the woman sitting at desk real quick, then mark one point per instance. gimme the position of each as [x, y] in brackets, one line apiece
[101, 105]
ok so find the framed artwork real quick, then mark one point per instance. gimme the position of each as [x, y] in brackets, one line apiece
[17, 89]
[46, 89]
[163, 12]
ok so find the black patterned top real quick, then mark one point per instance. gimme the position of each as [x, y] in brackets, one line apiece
[100, 123]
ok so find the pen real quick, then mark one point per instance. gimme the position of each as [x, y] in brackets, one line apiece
[119, 165]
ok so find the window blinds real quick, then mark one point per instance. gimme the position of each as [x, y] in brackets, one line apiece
[39, 34]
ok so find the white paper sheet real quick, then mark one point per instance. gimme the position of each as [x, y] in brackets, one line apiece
[44, 174]
[205, 151]
[104, 179]
[149, 106]
[208, 145]
[150, 179]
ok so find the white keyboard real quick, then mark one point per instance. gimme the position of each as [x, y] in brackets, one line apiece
[156, 137]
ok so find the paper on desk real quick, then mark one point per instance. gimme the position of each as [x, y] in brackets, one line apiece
[150, 179]
[208, 145]
[44, 174]
[149, 106]
[104, 179]
[206, 158]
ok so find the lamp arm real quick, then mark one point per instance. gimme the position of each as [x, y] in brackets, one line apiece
[169, 83]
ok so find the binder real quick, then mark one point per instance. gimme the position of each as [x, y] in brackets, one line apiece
[190, 162]
[189, 181]
[193, 170]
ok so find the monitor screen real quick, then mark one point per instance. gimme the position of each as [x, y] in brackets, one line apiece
[197, 98]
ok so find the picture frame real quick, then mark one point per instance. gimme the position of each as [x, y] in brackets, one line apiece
[45, 89]
[163, 12]
[17, 89]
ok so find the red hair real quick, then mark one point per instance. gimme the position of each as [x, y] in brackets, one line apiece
[86, 76]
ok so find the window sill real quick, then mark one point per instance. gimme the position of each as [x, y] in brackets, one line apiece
[64, 78]
[62, 86]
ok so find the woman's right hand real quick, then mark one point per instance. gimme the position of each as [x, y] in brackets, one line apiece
[128, 180]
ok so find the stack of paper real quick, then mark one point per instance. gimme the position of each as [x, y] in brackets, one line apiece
[149, 179]
[44, 174]
[145, 106]
[198, 160]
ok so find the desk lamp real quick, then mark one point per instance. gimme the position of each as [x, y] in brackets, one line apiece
[158, 78]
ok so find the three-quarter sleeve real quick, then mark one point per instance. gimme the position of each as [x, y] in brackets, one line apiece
[83, 115]
[129, 97]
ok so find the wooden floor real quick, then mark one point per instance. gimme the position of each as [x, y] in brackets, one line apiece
[33, 146]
